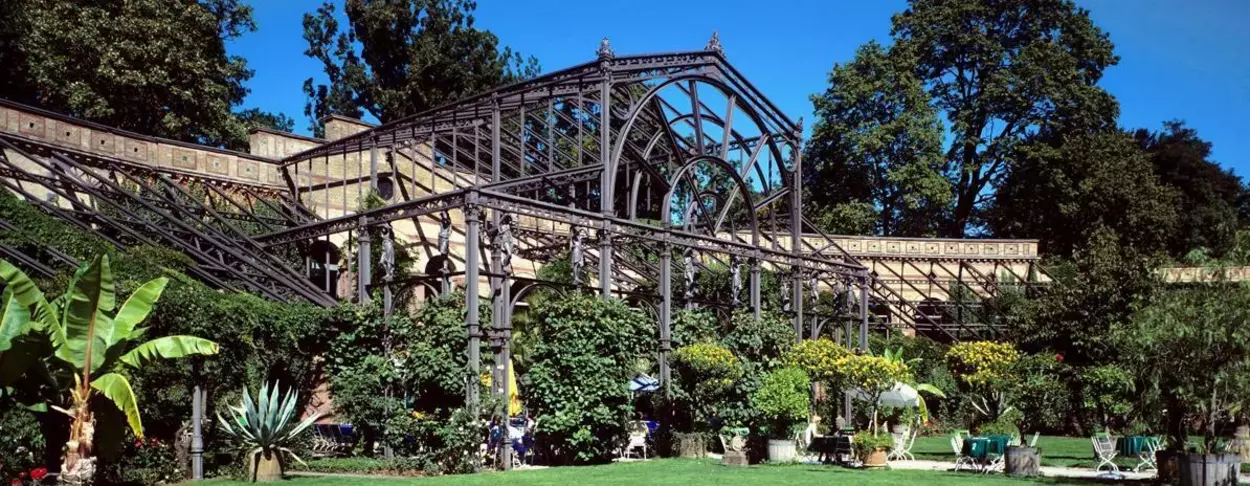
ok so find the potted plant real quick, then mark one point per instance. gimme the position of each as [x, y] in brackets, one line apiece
[784, 401]
[872, 448]
[1199, 330]
[265, 428]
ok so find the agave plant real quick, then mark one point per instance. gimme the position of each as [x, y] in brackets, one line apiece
[88, 348]
[266, 427]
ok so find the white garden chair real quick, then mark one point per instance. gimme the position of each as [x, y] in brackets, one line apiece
[902, 445]
[804, 443]
[1105, 452]
[637, 440]
[957, 444]
[1146, 459]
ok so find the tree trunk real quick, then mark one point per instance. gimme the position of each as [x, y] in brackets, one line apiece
[78, 468]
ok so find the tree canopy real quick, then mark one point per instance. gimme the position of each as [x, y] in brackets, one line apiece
[399, 58]
[875, 155]
[152, 66]
[1207, 195]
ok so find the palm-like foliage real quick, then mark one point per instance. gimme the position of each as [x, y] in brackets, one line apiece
[89, 347]
[267, 424]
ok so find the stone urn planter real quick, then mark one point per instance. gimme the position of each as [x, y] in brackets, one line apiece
[266, 468]
[782, 450]
[1209, 469]
[877, 458]
[1023, 461]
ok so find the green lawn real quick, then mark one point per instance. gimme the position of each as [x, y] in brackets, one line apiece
[678, 472]
[1056, 451]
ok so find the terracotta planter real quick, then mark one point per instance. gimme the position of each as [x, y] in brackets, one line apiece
[267, 468]
[876, 458]
[782, 450]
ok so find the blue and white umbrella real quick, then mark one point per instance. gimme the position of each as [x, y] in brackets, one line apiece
[644, 383]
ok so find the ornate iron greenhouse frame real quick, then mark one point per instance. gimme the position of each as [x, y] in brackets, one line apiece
[622, 162]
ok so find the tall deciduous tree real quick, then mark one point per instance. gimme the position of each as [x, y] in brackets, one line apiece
[1208, 195]
[400, 57]
[1062, 190]
[158, 67]
[873, 164]
[1001, 70]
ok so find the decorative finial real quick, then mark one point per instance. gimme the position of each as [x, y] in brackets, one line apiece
[713, 44]
[605, 49]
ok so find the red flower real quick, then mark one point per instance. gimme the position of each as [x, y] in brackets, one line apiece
[22, 475]
[1059, 358]
[38, 473]
[138, 442]
[15, 482]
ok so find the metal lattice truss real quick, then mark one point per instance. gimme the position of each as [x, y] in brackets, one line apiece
[632, 167]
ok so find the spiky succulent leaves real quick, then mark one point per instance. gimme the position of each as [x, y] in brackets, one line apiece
[266, 423]
[117, 389]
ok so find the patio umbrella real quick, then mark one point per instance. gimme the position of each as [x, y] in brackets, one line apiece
[902, 395]
[643, 383]
[514, 395]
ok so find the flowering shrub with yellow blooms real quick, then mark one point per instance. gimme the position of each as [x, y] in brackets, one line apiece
[873, 374]
[710, 365]
[982, 363]
[704, 373]
[818, 357]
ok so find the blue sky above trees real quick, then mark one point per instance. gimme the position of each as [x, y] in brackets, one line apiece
[1178, 59]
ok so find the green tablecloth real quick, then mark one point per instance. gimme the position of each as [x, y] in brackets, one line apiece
[980, 447]
[1130, 446]
[976, 447]
[998, 444]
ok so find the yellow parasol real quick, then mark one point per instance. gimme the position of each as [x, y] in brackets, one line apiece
[514, 396]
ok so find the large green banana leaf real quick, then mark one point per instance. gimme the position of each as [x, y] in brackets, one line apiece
[136, 309]
[14, 321]
[168, 347]
[117, 389]
[87, 326]
[29, 296]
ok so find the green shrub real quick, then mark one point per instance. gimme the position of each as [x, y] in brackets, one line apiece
[578, 384]
[21, 442]
[784, 400]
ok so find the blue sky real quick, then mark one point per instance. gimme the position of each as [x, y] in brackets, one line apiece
[1179, 59]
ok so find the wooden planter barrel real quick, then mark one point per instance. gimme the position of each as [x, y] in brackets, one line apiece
[1210, 469]
[691, 446]
[1023, 461]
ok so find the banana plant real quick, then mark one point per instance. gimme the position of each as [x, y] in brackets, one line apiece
[265, 426]
[94, 348]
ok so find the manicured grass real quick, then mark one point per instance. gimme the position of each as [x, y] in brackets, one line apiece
[1056, 451]
[678, 472]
